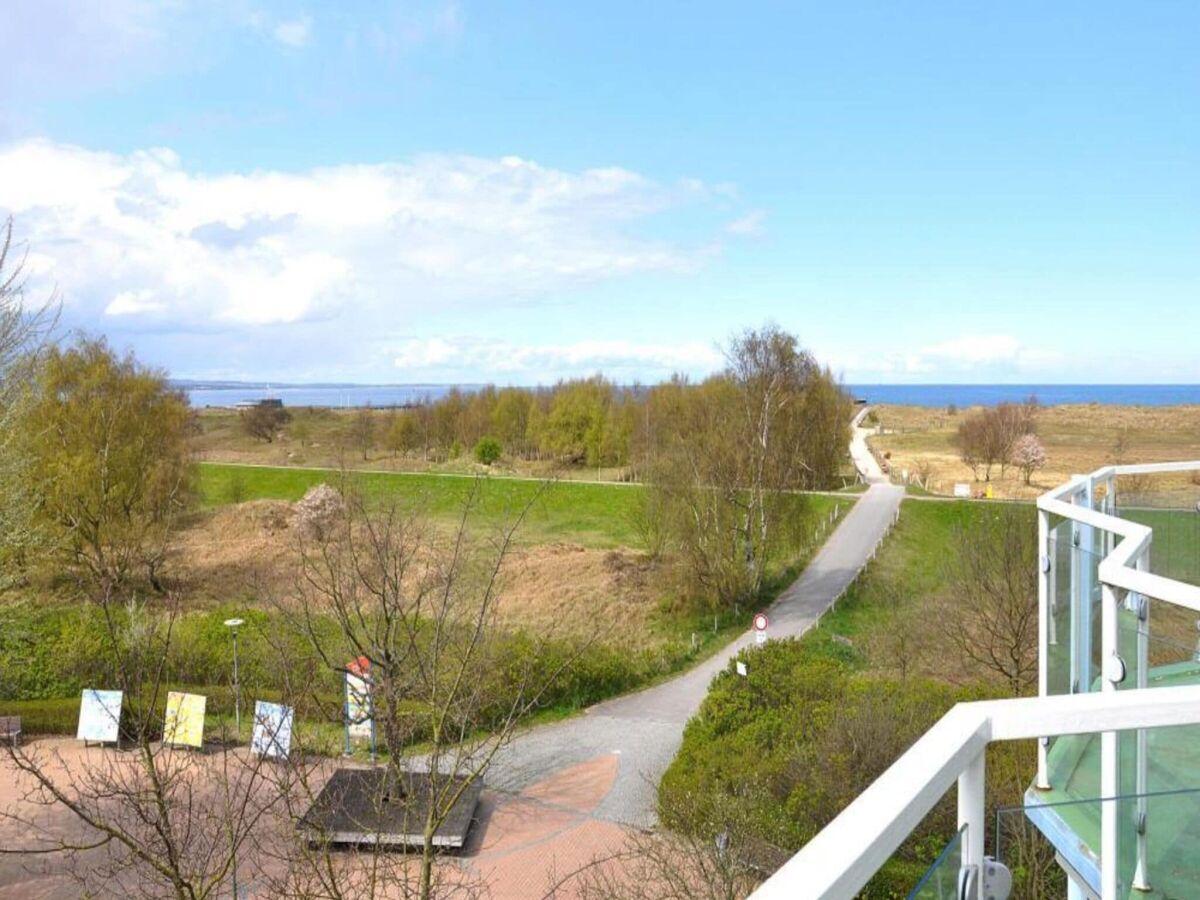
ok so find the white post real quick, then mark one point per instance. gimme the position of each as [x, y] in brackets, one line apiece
[1086, 584]
[1141, 875]
[971, 815]
[1080, 620]
[1045, 565]
[1110, 768]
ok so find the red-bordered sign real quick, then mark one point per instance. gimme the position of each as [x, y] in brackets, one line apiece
[760, 621]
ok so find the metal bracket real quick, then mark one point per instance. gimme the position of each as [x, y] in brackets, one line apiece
[997, 880]
[991, 881]
[1115, 671]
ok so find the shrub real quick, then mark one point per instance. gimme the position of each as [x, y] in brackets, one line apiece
[235, 488]
[781, 751]
[488, 450]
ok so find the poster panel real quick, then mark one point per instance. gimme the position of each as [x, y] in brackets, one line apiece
[272, 729]
[358, 699]
[99, 716]
[184, 725]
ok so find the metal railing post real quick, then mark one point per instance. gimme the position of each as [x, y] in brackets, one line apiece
[1045, 625]
[1110, 768]
[1080, 612]
[971, 815]
[1141, 875]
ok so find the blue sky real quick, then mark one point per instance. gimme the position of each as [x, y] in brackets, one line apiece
[461, 191]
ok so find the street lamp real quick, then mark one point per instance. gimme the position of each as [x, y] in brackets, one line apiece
[237, 689]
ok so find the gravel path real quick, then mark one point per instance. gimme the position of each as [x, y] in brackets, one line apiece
[645, 728]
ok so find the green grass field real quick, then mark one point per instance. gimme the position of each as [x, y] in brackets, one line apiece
[595, 515]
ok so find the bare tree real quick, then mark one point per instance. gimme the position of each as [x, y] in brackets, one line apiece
[420, 607]
[987, 436]
[24, 332]
[991, 606]
[666, 866]
[362, 431]
[713, 856]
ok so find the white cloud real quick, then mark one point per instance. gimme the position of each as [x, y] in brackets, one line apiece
[138, 235]
[752, 224]
[528, 362]
[295, 33]
[976, 349]
[133, 302]
[965, 354]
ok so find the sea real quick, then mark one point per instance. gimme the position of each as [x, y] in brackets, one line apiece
[227, 393]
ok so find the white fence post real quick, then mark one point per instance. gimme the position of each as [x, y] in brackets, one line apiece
[1110, 768]
[1045, 565]
[972, 815]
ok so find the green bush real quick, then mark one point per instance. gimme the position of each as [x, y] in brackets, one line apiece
[488, 450]
[781, 751]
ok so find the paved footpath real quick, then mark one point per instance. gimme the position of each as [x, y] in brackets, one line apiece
[643, 730]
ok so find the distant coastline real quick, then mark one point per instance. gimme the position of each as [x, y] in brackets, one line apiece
[230, 393]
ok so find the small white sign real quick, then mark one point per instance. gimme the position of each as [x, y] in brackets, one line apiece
[741, 668]
[760, 637]
[272, 729]
[99, 716]
[962, 490]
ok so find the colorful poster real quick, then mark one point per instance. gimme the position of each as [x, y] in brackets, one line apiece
[272, 729]
[184, 725]
[99, 716]
[358, 699]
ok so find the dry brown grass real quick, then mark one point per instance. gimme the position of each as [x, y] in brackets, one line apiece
[250, 550]
[1078, 438]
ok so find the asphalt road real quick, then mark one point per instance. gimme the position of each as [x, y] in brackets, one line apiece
[645, 728]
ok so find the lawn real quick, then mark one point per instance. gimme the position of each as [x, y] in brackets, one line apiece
[594, 515]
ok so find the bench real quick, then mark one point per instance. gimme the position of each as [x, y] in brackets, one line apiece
[10, 729]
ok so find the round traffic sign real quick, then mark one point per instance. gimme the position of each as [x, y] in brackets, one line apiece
[760, 621]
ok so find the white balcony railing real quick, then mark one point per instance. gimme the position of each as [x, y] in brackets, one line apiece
[840, 860]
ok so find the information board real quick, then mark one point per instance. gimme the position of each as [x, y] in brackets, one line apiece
[184, 724]
[272, 734]
[100, 716]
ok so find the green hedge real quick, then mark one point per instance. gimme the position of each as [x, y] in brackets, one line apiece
[776, 754]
